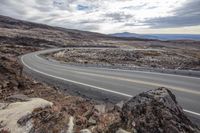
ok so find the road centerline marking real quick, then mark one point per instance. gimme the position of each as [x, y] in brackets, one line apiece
[100, 88]
[131, 80]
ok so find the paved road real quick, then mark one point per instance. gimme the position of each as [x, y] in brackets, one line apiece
[110, 83]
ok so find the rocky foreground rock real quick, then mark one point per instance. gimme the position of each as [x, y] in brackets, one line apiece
[30, 106]
[154, 111]
[14, 117]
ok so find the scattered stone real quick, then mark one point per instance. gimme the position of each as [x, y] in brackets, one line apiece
[5, 84]
[85, 131]
[122, 131]
[28, 92]
[91, 121]
[81, 121]
[119, 105]
[88, 113]
[100, 108]
[70, 124]
[109, 108]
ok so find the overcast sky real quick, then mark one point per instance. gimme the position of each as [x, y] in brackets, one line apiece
[110, 16]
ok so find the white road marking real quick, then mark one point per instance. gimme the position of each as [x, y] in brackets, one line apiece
[72, 81]
[92, 86]
[191, 112]
[128, 80]
[155, 73]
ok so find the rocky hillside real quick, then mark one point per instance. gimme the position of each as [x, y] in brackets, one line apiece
[28, 106]
[154, 58]
[28, 33]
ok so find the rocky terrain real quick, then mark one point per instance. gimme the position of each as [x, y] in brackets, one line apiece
[29, 106]
[163, 58]
[27, 33]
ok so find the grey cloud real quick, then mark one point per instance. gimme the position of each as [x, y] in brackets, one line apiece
[92, 21]
[77, 25]
[51, 12]
[187, 15]
[8, 8]
[118, 17]
[43, 5]
[43, 2]
[5, 2]
[61, 4]
[19, 10]
[133, 24]
[91, 27]
[47, 5]
[43, 9]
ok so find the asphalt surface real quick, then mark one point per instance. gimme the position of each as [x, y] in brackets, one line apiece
[116, 84]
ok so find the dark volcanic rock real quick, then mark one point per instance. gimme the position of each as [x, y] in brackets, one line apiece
[154, 111]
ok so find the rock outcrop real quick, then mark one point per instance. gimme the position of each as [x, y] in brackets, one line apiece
[154, 111]
[15, 117]
[22, 105]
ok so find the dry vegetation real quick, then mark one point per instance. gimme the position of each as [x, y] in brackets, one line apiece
[14, 86]
[20, 37]
[168, 58]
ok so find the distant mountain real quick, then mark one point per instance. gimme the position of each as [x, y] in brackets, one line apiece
[125, 34]
[159, 36]
[20, 32]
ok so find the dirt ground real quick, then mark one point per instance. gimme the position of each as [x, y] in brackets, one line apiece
[13, 82]
[20, 37]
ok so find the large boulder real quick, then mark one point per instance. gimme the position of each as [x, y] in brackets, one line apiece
[16, 117]
[154, 111]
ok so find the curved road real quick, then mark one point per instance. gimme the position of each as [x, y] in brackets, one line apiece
[110, 83]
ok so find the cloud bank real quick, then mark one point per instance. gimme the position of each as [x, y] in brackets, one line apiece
[107, 16]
